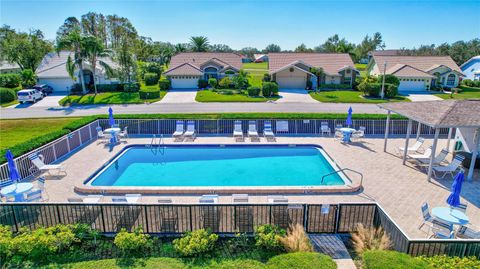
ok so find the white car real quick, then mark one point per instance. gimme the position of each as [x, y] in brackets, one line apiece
[29, 95]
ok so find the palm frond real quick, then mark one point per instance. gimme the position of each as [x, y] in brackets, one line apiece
[108, 69]
[71, 68]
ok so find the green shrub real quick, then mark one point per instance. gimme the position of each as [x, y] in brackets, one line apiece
[164, 84]
[470, 83]
[29, 78]
[382, 259]
[267, 78]
[301, 260]
[131, 87]
[132, 242]
[268, 236]
[240, 81]
[225, 82]
[237, 264]
[7, 95]
[391, 90]
[5, 241]
[269, 89]
[151, 79]
[335, 86]
[195, 243]
[391, 79]
[10, 80]
[116, 87]
[202, 84]
[370, 89]
[212, 82]
[253, 91]
[229, 72]
[446, 262]
[148, 67]
[149, 93]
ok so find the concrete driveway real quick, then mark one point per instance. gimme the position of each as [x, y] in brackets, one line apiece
[420, 96]
[179, 96]
[50, 101]
[295, 96]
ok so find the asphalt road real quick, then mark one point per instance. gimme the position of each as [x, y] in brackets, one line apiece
[24, 111]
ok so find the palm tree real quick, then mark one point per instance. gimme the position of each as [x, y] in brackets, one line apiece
[199, 43]
[95, 51]
[319, 73]
[75, 42]
[180, 48]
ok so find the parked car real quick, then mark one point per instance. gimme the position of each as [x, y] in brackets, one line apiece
[44, 88]
[29, 95]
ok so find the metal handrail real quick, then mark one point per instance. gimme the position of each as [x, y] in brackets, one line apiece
[341, 170]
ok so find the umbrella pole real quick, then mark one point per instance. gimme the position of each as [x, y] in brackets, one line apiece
[434, 148]
[474, 154]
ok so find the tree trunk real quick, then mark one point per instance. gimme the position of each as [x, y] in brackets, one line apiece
[82, 81]
[93, 73]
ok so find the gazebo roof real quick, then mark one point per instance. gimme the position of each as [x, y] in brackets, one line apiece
[440, 114]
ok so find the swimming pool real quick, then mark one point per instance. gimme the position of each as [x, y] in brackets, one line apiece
[216, 166]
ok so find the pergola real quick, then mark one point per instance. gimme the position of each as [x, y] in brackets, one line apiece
[438, 114]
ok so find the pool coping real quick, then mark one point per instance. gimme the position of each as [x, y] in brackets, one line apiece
[349, 186]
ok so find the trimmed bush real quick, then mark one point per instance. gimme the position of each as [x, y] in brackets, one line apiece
[29, 78]
[151, 79]
[7, 95]
[301, 260]
[335, 86]
[381, 259]
[202, 84]
[132, 243]
[470, 83]
[391, 90]
[269, 236]
[237, 264]
[225, 82]
[253, 91]
[212, 82]
[391, 79]
[446, 262]
[267, 78]
[296, 239]
[149, 93]
[269, 89]
[370, 89]
[131, 87]
[109, 87]
[10, 80]
[195, 243]
[164, 84]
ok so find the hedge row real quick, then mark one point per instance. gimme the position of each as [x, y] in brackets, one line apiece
[335, 86]
[149, 93]
[7, 95]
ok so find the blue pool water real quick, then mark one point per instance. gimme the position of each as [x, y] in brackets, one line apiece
[200, 166]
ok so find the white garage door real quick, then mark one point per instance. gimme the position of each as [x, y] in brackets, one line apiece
[184, 83]
[62, 85]
[406, 86]
[292, 82]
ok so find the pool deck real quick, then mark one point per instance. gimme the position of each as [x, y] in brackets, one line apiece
[399, 189]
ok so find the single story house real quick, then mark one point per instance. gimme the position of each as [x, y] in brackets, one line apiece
[293, 70]
[471, 68]
[8, 68]
[260, 58]
[417, 73]
[53, 72]
[187, 68]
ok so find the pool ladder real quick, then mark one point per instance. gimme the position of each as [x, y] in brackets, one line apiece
[344, 169]
[157, 147]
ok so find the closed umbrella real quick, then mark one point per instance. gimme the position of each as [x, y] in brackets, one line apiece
[349, 117]
[454, 199]
[12, 168]
[111, 120]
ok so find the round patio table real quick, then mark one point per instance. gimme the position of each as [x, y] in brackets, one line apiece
[347, 133]
[449, 215]
[17, 191]
[113, 131]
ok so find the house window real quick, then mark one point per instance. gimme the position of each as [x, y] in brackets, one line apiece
[451, 80]
[347, 80]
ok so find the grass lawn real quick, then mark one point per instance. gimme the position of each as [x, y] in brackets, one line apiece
[13, 132]
[345, 96]
[12, 102]
[467, 93]
[362, 68]
[108, 98]
[261, 66]
[211, 96]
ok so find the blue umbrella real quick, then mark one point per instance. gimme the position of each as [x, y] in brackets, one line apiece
[12, 168]
[111, 120]
[454, 198]
[348, 122]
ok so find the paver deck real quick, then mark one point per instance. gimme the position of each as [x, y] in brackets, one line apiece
[399, 189]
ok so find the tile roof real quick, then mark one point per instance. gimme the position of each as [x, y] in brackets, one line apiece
[403, 70]
[199, 58]
[440, 114]
[423, 63]
[330, 62]
[4, 65]
[185, 69]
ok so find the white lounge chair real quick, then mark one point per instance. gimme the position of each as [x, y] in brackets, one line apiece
[416, 147]
[179, 130]
[190, 132]
[324, 129]
[252, 130]
[128, 198]
[468, 233]
[240, 198]
[425, 155]
[209, 199]
[34, 196]
[101, 135]
[437, 160]
[451, 168]
[37, 160]
[124, 134]
[238, 131]
[268, 131]
[92, 199]
[359, 134]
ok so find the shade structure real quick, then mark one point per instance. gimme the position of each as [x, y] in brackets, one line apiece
[454, 198]
[348, 122]
[111, 120]
[12, 168]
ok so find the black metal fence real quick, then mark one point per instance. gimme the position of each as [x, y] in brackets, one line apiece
[163, 219]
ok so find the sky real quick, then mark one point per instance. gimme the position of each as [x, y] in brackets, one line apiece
[258, 23]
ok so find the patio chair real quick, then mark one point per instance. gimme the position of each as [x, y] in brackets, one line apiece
[338, 134]
[238, 131]
[179, 130]
[416, 147]
[451, 168]
[124, 134]
[190, 132]
[437, 160]
[34, 196]
[37, 160]
[252, 130]
[461, 207]
[324, 129]
[268, 132]
[425, 155]
[5, 183]
[359, 134]
[338, 126]
[101, 136]
[429, 219]
[209, 199]
[240, 198]
[465, 232]
[442, 230]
